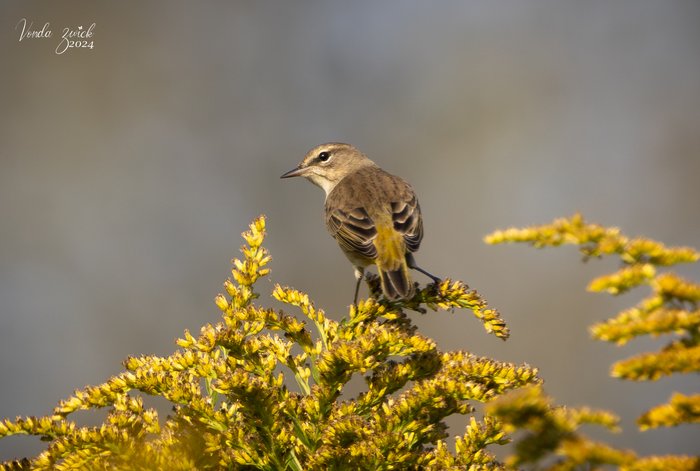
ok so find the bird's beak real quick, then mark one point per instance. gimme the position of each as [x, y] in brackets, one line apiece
[297, 172]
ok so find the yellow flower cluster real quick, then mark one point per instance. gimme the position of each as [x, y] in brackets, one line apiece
[595, 240]
[680, 409]
[449, 295]
[233, 407]
[676, 357]
[552, 430]
[664, 463]
[672, 307]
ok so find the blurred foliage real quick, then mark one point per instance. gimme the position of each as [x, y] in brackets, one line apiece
[672, 307]
[551, 432]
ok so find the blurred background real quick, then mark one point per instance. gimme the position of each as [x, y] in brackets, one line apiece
[128, 171]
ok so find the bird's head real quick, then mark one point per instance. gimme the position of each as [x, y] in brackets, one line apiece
[326, 165]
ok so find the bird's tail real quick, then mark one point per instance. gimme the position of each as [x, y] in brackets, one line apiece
[391, 265]
[396, 284]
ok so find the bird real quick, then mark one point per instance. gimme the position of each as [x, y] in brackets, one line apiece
[373, 215]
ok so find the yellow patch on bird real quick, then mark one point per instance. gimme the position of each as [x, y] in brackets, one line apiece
[391, 250]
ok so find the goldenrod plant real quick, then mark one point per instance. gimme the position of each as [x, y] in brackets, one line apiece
[671, 307]
[235, 406]
[551, 432]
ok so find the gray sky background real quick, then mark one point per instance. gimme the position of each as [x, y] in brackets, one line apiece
[128, 171]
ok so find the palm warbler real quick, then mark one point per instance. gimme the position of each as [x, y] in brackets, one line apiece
[374, 216]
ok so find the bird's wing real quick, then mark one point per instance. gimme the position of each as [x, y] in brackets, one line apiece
[408, 221]
[354, 230]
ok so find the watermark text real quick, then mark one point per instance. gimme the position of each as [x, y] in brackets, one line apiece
[75, 37]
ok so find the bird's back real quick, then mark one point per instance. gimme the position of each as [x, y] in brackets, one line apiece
[371, 188]
[375, 218]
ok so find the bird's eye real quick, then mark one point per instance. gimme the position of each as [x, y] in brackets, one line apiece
[324, 156]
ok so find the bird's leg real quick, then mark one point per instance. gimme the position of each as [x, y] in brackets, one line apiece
[411, 262]
[359, 273]
[432, 277]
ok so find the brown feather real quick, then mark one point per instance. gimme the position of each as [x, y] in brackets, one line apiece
[375, 217]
